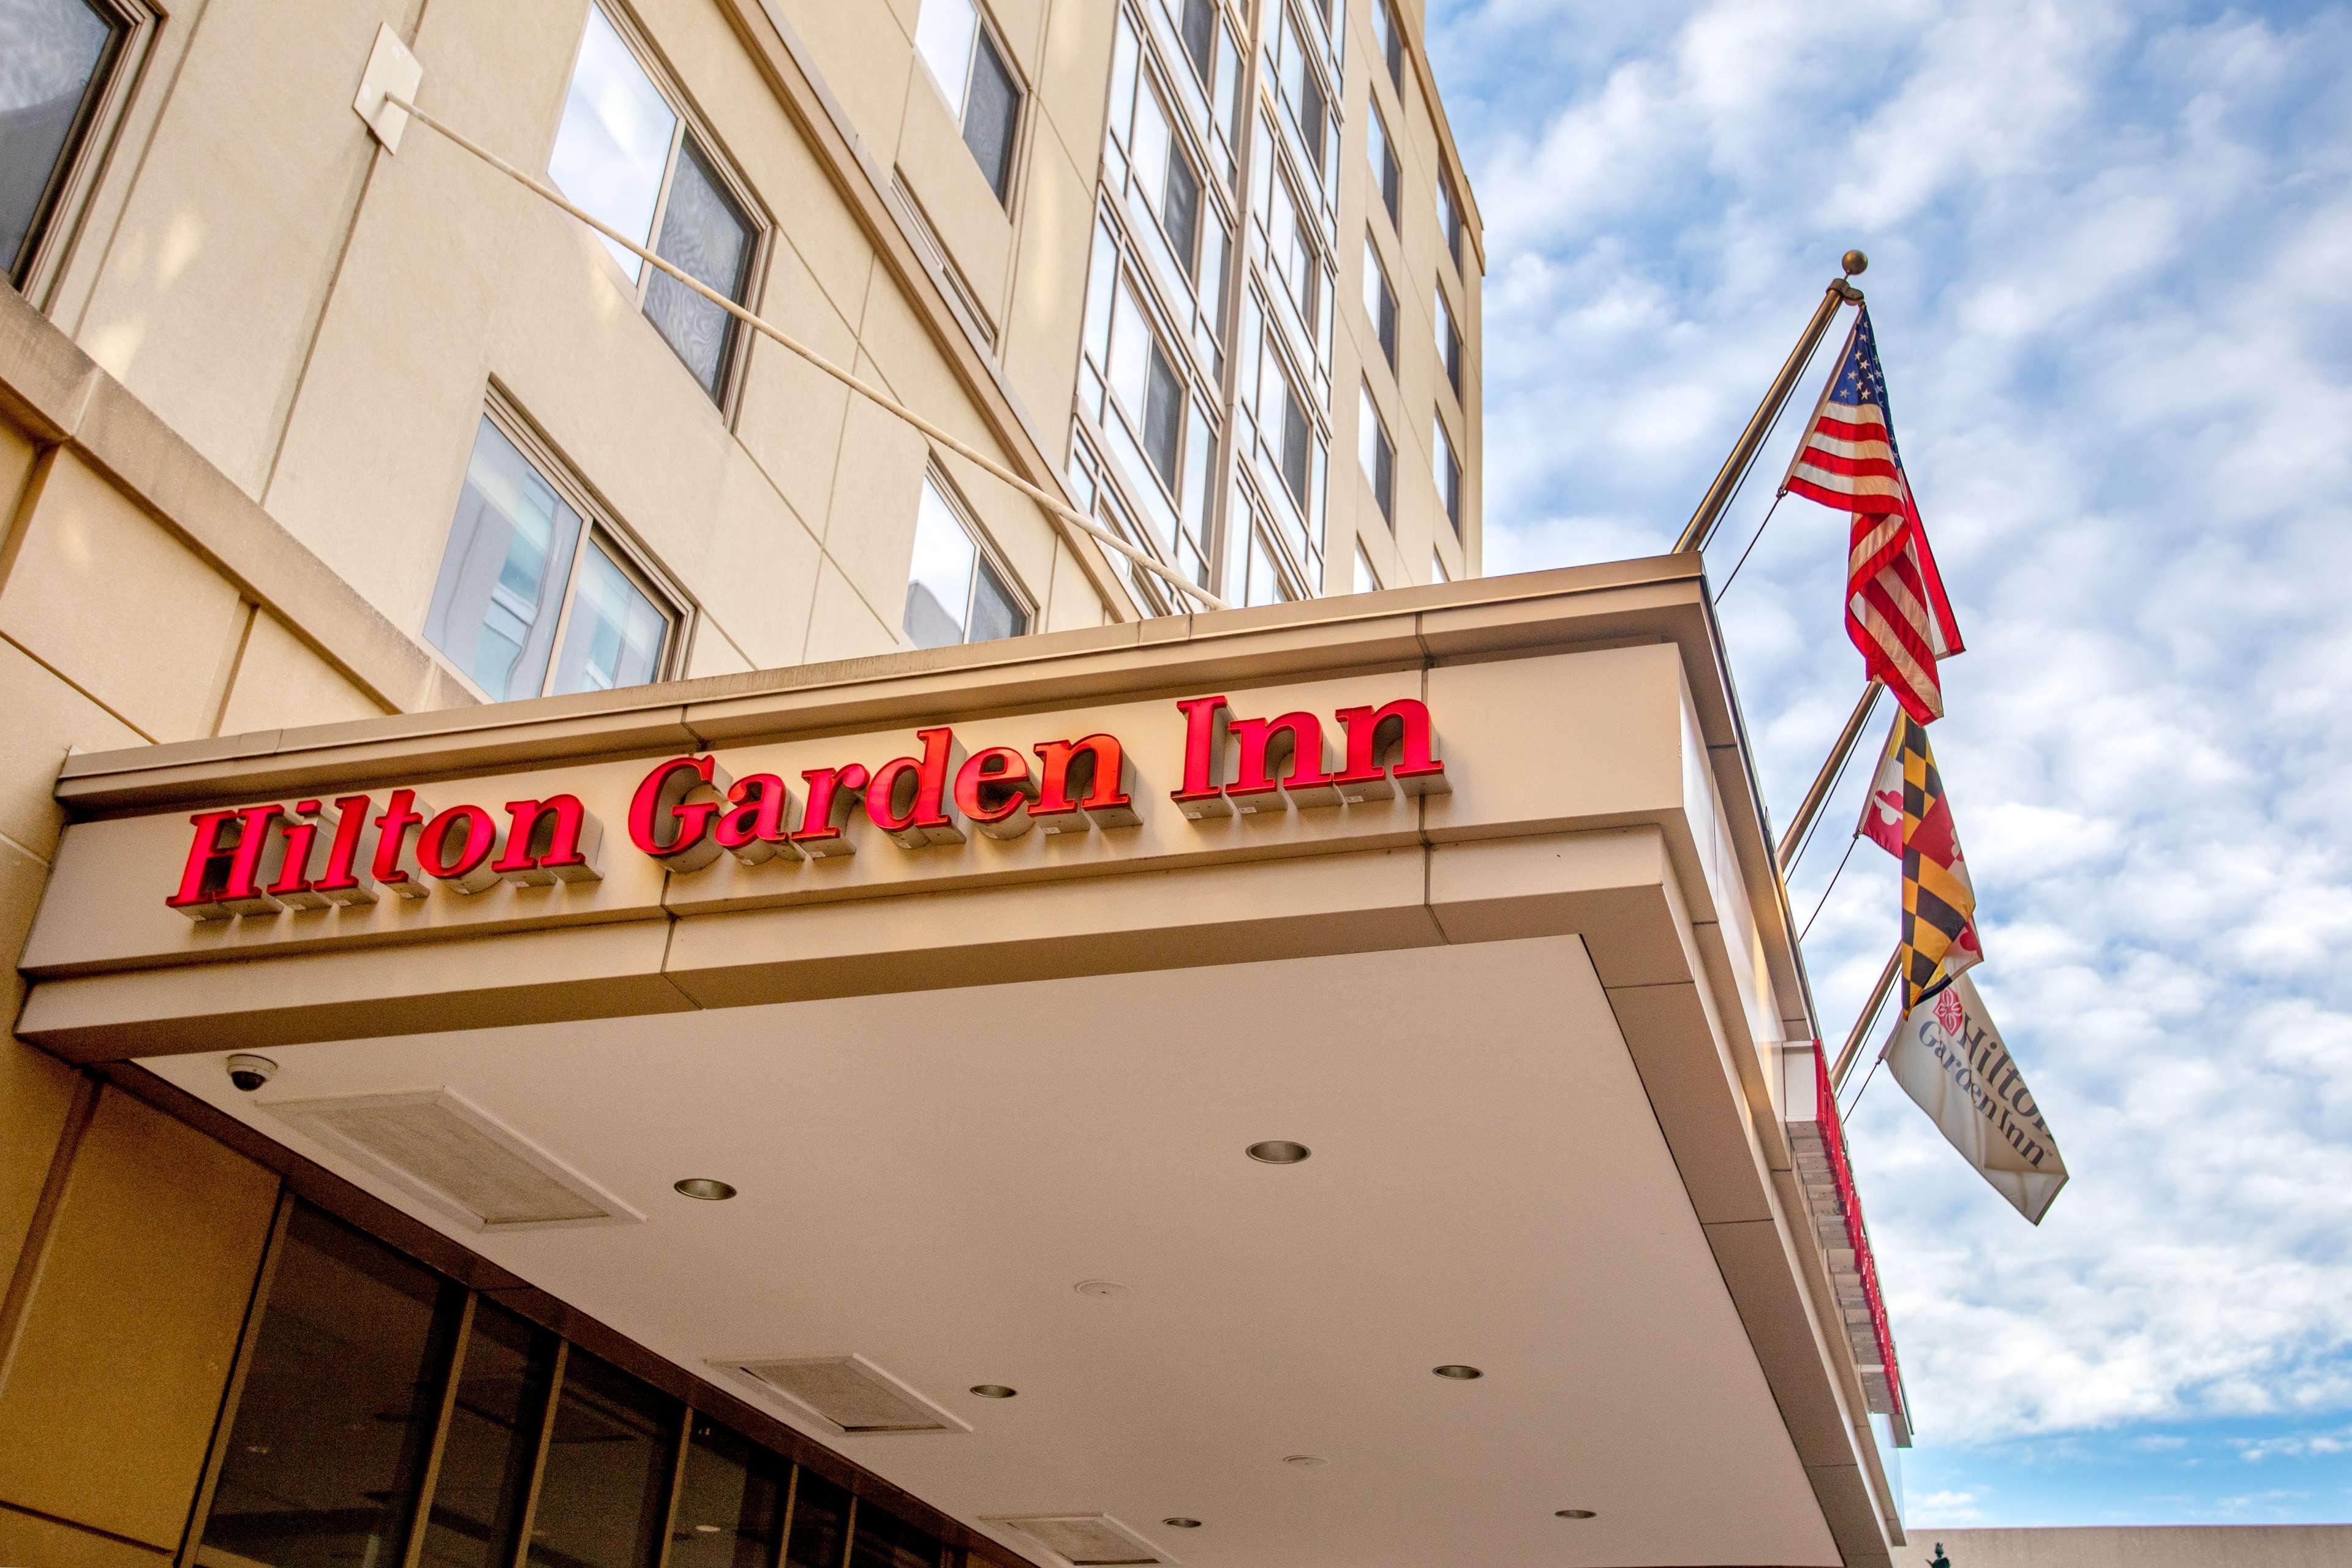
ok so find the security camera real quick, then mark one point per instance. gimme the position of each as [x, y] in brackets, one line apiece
[250, 1072]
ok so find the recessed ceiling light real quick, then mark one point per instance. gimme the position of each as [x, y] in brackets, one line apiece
[993, 1391]
[1099, 1288]
[1279, 1152]
[708, 1188]
[1458, 1372]
[705, 1530]
[1572, 1513]
[1180, 1522]
[1303, 1461]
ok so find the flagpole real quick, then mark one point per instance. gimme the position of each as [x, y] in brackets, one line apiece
[1711, 506]
[1844, 1063]
[1818, 797]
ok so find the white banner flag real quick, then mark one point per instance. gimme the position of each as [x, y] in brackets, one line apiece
[1948, 1056]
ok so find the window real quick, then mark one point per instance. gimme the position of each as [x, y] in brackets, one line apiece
[1170, 184]
[965, 59]
[1262, 580]
[1447, 469]
[954, 593]
[56, 57]
[325, 1452]
[1292, 241]
[1449, 214]
[1378, 454]
[1389, 35]
[1384, 160]
[1296, 437]
[1380, 303]
[623, 152]
[1366, 580]
[1302, 90]
[1437, 572]
[1449, 340]
[1144, 378]
[342, 1390]
[1199, 28]
[524, 576]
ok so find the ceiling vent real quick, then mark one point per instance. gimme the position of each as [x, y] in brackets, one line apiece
[455, 1156]
[1084, 1539]
[848, 1393]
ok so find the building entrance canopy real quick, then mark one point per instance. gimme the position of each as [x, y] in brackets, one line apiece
[978, 974]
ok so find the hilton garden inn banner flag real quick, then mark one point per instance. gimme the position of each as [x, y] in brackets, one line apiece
[1948, 1056]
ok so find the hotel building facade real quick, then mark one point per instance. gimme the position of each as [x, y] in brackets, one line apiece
[623, 961]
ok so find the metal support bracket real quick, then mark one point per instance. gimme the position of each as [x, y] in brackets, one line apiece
[393, 72]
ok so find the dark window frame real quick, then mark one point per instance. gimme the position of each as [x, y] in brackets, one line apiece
[54, 220]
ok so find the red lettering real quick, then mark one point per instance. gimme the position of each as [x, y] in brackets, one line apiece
[232, 854]
[1391, 743]
[396, 861]
[467, 868]
[301, 855]
[551, 840]
[1203, 794]
[907, 797]
[992, 788]
[346, 880]
[1264, 744]
[833, 794]
[1091, 773]
[670, 816]
[754, 830]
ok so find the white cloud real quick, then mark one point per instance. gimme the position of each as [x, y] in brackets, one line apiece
[2112, 277]
[1944, 1508]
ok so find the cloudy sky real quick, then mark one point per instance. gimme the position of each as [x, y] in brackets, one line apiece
[2111, 272]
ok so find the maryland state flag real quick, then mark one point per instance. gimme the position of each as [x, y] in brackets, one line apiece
[1908, 815]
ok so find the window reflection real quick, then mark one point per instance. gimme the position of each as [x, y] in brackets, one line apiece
[342, 1395]
[616, 632]
[613, 144]
[607, 1471]
[820, 1523]
[494, 1427]
[732, 1507]
[502, 577]
[54, 53]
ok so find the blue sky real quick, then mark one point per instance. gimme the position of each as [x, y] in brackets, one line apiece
[2111, 271]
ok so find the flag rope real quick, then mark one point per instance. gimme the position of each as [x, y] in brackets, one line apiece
[1826, 891]
[1744, 554]
[1069, 515]
[1865, 1084]
[1814, 826]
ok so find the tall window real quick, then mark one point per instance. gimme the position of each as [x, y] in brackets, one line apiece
[1380, 303]
[1366, 580]
[341, 1441]
[1298, 437]
[1378, 455]
[55, 58]
[1449, 212]
[1447, 469]
[966, 61]
[624, 154]
[533, 600]
[1143, 378]
[1199, 26]
[1389, 37]
[1302, 90]
[1449, 340]
[1170, 185]
[1291, 235]
[954, 592]
[1384, 160]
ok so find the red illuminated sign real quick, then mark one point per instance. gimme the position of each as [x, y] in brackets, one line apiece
[688, 811]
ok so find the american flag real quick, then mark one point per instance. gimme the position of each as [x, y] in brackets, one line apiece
[1896, 609]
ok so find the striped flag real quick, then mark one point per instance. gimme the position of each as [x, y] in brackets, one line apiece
[1895, 611]
[1908, 815]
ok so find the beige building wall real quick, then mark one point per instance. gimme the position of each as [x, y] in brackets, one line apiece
[239, 384]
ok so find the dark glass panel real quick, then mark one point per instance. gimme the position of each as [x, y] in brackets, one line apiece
[886, 1540]
[1294, 446]
[606, 1479]
[327, 1449]
[1200, 29]
[991, 110]
[731, 1508]
[707, 234]
[494, 1427]
[1163, 417]
[820, 1523]
[1183, 208]
[52, 55]
[995, 611]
